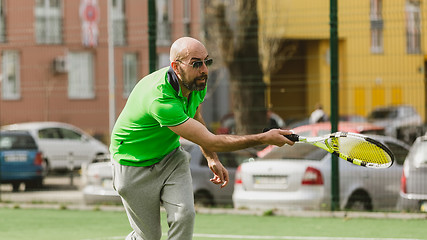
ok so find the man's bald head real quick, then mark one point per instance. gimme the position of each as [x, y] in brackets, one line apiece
[183, 47]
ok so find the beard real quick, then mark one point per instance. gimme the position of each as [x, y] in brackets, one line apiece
[195, 85]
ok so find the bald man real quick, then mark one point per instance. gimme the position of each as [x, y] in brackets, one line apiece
[150, 167]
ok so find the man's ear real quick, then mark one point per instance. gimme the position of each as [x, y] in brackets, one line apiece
[175, 68]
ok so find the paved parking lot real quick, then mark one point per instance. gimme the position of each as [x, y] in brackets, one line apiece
[57, 189]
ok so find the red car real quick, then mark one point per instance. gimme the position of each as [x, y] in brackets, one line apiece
[319, 129]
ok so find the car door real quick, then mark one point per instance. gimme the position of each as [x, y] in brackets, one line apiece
[78, 147]
[230, 160]
[53, 147]
[385, 183]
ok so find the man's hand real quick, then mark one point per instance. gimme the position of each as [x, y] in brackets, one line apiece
[220, 173]
[276, 137]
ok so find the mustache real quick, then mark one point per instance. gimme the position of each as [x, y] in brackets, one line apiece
[202, 77]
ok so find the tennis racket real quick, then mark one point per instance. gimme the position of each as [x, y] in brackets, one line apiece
[353, 147]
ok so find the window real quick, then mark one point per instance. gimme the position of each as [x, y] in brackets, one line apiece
[10, 75]
[17, 141]
[49, 133]
[80, 76]
[377, 26]
[2, 22]
[163, 60]
[187, 17]
[48, 14]
[419, 153]
[59, 133]
[119, 22]
[164, 18]
[399, 152]
[130, 72]
[69, 134]
[413, 27]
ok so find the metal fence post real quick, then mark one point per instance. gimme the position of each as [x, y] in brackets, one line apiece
[152, 35]
[335, 183]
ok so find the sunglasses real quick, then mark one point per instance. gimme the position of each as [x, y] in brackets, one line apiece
[199, 64]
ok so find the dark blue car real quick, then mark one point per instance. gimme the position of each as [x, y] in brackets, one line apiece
[20, 160]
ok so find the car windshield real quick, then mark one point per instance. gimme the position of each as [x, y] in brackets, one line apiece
[10, 141]
[299, 151]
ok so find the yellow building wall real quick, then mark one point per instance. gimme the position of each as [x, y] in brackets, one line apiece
[424, 27]
[367, 80]
[288, 18]
[389, 78]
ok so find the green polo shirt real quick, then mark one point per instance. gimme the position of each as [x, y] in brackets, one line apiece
[141, 136]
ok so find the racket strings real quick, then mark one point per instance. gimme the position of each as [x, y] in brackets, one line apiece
[362, 150]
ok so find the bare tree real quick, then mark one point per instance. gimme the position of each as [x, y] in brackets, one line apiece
[233, 27]
[274, 50]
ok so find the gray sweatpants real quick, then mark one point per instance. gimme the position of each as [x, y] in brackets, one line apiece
[144, 189]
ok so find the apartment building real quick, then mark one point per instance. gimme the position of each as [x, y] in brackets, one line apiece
[382, 55]
[55, 62]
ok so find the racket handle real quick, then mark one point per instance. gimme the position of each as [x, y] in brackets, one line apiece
[292, 137]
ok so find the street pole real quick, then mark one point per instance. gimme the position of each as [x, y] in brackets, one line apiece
[111, 80]
[152, 57]
[0, 177]
[335, 181]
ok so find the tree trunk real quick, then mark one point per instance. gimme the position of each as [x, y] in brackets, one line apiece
[239, 49]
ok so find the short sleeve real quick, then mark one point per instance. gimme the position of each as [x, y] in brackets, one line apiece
[168, 112]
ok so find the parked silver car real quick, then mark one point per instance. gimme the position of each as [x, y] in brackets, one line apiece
[97, 177]
[394, 117]
[299, 177]
[413, 191]
[64, 146]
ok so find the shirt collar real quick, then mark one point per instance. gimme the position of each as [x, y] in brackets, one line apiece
[173, 79]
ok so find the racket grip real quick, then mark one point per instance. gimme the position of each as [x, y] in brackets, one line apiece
[292, 137]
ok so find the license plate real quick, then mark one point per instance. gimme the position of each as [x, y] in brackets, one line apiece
[273, 180]
[15, 157]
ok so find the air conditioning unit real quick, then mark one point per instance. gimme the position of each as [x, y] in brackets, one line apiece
[60, 65]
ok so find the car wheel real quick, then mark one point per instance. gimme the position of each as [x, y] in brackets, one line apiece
[359, 201]
[36, 184]
[203, 198]
[15, 186]
[46, 167]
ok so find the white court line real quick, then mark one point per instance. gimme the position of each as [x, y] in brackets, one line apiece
[222, 236]
[292, 237]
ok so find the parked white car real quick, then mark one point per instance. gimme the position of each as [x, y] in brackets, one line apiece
[299, 177]
[413, 191]
[97, 178]
[63, 146]
[97, 183]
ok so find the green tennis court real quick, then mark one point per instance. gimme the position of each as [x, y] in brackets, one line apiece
[48, 224]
